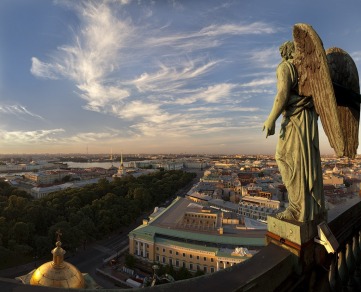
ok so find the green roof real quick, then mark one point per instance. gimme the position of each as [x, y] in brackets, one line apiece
[149, 232]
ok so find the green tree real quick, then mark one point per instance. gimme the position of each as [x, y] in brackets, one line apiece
[20, 232]
[130, 261]
[183, 274]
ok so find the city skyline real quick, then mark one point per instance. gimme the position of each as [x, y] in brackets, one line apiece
[151, 77]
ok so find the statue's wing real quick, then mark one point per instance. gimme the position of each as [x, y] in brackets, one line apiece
[315, 80]
[346, 84]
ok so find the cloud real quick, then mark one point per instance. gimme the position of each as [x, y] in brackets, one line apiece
[356, 56]
[43, 70]
[171, 78]
[266, 58]
[135, 109]
[260, 82]
[25, 137]
[211, 94]
[92, 137]
[156, 77]
[186, 126]
[234, 29]
[93, 56]
[206, 37]
[225, 109]
[18, 110]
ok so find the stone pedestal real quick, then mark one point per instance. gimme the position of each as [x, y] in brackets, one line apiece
[297, 237]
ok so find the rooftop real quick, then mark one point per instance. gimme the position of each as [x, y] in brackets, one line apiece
[166, 225]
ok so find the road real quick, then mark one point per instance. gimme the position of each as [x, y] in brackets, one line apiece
[88, 260]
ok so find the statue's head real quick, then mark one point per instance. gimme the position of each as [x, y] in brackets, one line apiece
[287, 50]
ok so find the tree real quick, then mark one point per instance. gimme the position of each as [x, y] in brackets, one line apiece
[182, 274]
[130, 261]
[21, 232]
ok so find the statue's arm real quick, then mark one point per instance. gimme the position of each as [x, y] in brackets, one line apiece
[284, 84]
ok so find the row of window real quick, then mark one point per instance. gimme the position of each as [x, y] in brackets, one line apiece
[200, 216]
[178, 264]
[183, 254]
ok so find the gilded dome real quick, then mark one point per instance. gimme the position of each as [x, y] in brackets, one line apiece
[58, 273]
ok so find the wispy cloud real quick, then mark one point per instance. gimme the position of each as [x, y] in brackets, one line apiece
[266, 58]
[211, 94]
[155, 77]
[206, 37]
[260, 82]
[170, 78]
[235, 29]
[18, 110]
[93, 56]
[25, 137]
[356, 56]
[225, 109]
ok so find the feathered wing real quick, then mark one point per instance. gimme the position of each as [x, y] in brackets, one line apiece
[315, 80]
[345, 79]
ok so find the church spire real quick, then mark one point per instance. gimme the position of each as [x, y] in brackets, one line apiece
[58, 253]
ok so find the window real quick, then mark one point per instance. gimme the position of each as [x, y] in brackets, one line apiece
[184, 254]
[176, 253]
[212, 270]
[198, 267]
[205, 269]
[157, 248]
[205, 259]
[163, 260]
[183, 264]
[191, 266]
[190, 256]
[197, 257]
[170, 262]
[163, 249]
[212, 260]
[157, 258]
[177, 263]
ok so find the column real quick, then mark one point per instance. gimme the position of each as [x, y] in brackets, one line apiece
[138, 248]
[144, 253]
[224, 264]
[217, 266]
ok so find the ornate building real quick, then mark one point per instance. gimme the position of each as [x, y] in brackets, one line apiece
[58, 273]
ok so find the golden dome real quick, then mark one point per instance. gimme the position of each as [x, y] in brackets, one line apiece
[58, 273]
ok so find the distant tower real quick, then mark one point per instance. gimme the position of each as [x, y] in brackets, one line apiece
[121, 170]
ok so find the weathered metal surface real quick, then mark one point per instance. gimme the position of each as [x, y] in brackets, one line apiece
[315, 80]
[345, 79]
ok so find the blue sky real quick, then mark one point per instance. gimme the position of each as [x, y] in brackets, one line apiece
[151, 76]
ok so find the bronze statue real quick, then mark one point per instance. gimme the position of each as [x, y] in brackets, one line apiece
[305, 90]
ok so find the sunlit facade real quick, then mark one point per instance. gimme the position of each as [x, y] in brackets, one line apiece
[188, 235]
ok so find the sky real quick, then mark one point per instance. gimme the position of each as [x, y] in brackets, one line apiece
[137, 76]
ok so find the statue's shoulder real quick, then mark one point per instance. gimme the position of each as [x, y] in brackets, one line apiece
[287, 68]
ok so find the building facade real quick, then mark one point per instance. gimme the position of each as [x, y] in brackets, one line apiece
[194, 237]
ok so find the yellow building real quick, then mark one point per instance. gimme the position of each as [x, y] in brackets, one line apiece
[188, 235]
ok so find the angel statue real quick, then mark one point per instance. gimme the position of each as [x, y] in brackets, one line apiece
[312, 82]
